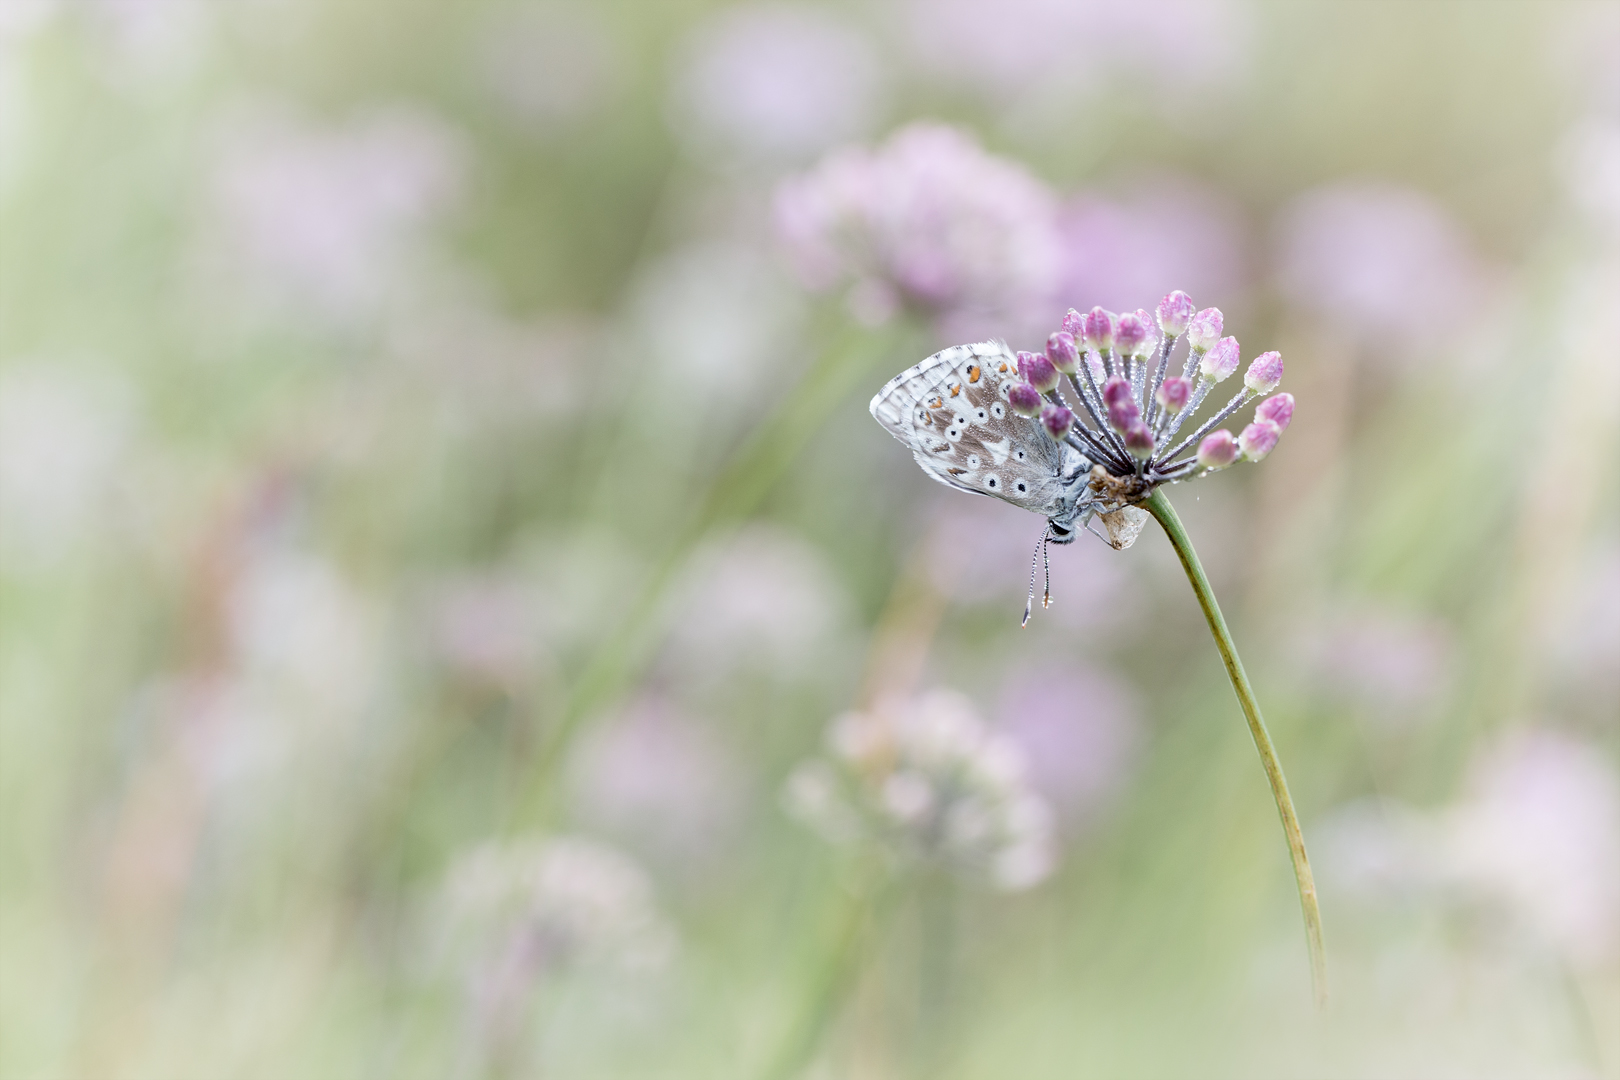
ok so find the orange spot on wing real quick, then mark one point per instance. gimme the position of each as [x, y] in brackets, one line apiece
[1003, 366]
[974, 373]
[957, 389]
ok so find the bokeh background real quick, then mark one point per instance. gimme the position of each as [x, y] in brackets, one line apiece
[439, 515]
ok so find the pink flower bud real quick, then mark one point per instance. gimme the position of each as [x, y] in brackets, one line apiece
[1258, 439]
[1218, 450]
[1131, 336]
[1056, 420]
[1277, 409]
[1204, 329]
[1138, 439]
[1174, 393]
[1024, 399]
[1116, 391]
[1265, 372]
[1220, 361]
[1063, 352]
[1074, 324]
[1100, 327]
[1038, 371]
[1175, 311]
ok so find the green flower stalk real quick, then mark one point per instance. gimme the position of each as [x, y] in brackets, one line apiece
[1165, 514]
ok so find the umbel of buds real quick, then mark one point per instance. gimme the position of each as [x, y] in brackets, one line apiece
[1126, 403]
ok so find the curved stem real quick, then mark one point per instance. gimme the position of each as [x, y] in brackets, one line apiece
[1159, 506]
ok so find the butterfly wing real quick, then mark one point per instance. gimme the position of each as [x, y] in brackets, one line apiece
[951, 411]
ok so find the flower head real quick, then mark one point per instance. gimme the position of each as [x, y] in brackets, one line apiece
[929, 782]
[1129, 411]
[927, 222]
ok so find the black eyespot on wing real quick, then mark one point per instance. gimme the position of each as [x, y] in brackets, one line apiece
[998, 410]
[1022, 487]
[993, 483]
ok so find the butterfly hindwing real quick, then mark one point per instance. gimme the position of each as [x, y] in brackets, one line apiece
[951, 411]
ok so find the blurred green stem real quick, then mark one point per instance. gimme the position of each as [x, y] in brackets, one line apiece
[738, 489]
[862, 909]
[1160, 508]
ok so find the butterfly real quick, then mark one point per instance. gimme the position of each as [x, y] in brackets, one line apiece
[951, 411]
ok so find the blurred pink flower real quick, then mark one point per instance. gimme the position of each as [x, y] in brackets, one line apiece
[327, 217]
[776, 80]
[1540, 829]
[930, 222]
[1079, 729]
[1536, 835]
[660, 781]
[1387, 265]
[552, 64]
[1167, 233]
[1396, 664]
[488, 626]
[1008, 49]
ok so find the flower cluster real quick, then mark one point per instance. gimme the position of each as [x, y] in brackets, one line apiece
[1119, 367]
[927, 222]
[518, 914]
[927, 780]
[527, 908]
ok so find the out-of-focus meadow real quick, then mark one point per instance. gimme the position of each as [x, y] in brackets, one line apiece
[451, 588]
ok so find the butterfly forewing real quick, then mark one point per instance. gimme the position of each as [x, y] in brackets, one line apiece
[951, 410]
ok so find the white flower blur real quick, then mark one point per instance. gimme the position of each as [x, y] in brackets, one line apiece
[765, 598]
[562, 901]
[776, 81]
[928, 780]
[930, 222]
[718, 320]
[517, 914]
[63, 436]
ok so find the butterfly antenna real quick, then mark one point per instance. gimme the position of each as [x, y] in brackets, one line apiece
[1046, 564]
[1029, 604]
